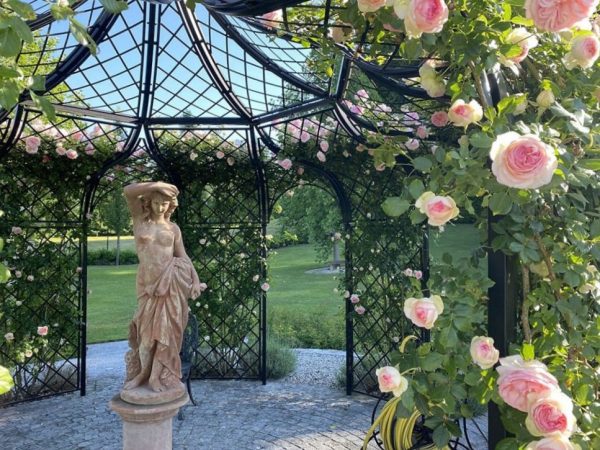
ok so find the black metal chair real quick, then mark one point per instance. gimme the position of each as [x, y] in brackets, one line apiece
[188, 349]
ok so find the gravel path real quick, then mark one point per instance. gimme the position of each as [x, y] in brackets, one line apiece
[300, 412]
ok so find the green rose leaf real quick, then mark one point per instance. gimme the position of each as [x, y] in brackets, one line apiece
[591, 164]
[395, 206]
[10, 43]
[22, 9]
[114, 6]
[6, 381]
[416, 188]
[441, 436]
[528, 352]
[500, 203]
[422, 164]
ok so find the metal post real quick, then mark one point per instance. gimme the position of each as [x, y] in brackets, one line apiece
[502, 318]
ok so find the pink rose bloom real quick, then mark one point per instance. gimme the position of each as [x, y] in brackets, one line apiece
[79, 270]
[230, 160]
[300, 171]
[60, 150]
[408, 272]
[42, 331]
[358, 110]
[9, 337]
[265, 286]
[584, 52]
[273, 19]
[324, 146]
[321, 156]
[556, 15]
[523, 382]
[370, 5]
[412, 144]
[524, 39]
[220, 155]
[360, 310]
[285, 163]
[463, 114]
[304, 137]
[354, 299]
[119, 147]
[30, 278]
[422, 132]
[483, 352]
[438, 209]
[551, 415]
[32, 143]
[18, 274]
[203, 287]
[77, 136]
[16, 230]
[422, 16]
[72, 154]
[523, 162]
[390, 380]
[361, 95]
[556, 442]
[439, 119]
[412, 118]
[418, 274]
[423, 312]
[90, 149]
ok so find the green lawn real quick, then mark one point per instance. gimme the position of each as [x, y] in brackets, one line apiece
[293, 293]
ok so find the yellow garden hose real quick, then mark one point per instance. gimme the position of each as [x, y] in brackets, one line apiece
[396, 433]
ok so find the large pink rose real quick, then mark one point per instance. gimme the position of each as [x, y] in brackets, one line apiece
[390, 380]
[522, 161]
[551, 415]
[422, 16]
[423, 312]
[556, 15]
[463, 114]
[370, 5]
[523, 382]
[438, 209]
[584, 52]
[483, 352]
[557, 442]
[42, 331]
[32, 144]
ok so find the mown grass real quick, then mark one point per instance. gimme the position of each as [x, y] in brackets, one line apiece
[303, 308]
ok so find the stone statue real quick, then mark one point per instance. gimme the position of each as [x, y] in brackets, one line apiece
[166, 279]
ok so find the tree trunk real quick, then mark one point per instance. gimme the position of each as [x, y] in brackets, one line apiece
[118, 246]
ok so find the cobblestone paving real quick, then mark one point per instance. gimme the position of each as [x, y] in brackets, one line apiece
[231, 415]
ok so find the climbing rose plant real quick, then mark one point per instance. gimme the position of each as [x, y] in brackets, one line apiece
[531, 158]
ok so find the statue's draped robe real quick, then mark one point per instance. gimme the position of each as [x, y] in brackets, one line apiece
[159, 322]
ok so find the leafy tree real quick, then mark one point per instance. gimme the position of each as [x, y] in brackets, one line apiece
[313, 215]
[115, 216]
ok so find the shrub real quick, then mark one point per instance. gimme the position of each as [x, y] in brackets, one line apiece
[308, 330]
[281, 360]
[104, 257]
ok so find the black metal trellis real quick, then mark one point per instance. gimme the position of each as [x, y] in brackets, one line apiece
[164, 70]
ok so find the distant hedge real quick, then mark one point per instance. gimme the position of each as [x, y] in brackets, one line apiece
[104, 257]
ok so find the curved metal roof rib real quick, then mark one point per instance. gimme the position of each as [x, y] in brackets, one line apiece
[219, 64]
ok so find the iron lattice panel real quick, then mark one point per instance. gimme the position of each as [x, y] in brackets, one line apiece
[221, 222]
[378, 248]
[44, 291]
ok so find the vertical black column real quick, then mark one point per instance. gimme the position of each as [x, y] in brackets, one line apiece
[502, 317]
[502, 270]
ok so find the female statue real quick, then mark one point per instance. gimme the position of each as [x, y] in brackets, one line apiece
[166, 278]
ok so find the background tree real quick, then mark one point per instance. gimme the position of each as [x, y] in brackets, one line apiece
[115, 216]
[313, 215]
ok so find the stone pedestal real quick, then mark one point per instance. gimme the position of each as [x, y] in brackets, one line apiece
[147, 427]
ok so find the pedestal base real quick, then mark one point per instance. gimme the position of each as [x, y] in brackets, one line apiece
[147, 427]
